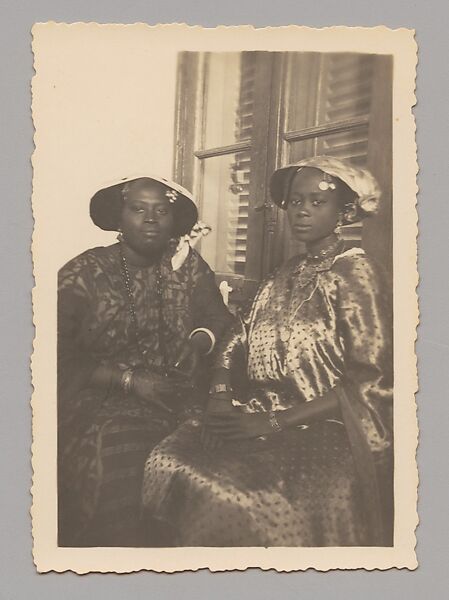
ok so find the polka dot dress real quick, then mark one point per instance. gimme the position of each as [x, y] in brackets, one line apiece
[296, 489]
[309, 330]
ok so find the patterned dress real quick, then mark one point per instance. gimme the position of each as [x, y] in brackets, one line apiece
[314, 329]
[103, 435]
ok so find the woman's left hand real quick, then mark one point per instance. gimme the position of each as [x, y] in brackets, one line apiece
[189, 357]
[187, 361]
[236, 425]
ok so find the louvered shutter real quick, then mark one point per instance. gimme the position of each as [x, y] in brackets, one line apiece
[346, 90]
[241, 171]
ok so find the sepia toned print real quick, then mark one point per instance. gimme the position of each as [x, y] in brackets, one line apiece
[225, 391]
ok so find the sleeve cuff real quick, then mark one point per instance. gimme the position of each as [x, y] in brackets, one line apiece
[209, 333]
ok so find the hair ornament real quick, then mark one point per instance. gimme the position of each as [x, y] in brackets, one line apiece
[172, 195]
[326, 183]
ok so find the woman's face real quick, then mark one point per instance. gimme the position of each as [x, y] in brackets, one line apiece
[147, 219]
[312, 213]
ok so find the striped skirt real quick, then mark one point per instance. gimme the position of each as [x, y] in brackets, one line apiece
[100, 469]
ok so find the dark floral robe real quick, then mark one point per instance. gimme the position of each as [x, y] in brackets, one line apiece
[103, 435]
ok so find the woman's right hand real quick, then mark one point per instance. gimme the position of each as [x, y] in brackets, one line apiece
[151, 386]
[221, 402]
[218, 403]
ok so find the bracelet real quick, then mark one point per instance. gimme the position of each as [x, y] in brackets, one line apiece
[219, 388]
[126, 381]
[274, 422]
[209, 333]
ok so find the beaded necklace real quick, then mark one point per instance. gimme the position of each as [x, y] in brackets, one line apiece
[304, 275]
[325, 252]
[133, 312]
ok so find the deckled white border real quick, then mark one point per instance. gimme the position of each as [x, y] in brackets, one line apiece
[47, 556]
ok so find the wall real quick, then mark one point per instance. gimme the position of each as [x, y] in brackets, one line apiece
[100, 122]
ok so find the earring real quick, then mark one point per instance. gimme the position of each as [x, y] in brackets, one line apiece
[338, 227]
[351, 212]
[120, 235]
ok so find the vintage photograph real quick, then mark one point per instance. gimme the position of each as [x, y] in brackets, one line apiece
[223, 315]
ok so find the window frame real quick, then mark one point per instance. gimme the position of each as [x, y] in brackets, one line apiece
[269, 148]
[190, 156]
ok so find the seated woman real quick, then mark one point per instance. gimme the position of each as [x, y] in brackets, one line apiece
[128, 314]
[297, 459]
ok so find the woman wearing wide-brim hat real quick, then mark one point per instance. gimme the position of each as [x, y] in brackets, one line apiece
[134, 319]
[304, 458]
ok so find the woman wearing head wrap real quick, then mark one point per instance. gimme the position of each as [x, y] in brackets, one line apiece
[133, 319]
[296, 456]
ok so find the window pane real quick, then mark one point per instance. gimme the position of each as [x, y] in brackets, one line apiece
[346, 81]
[343, 84]
[228, 116]
[224, 206]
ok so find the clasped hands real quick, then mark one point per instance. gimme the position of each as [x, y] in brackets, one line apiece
[159, 388]
[223, 422]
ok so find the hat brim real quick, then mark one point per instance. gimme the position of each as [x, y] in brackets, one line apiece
[106, 207]
[278, 184]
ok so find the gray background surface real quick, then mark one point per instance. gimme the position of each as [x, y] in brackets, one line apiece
[18, 577]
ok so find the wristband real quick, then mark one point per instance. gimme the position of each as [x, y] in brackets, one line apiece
[219, 388]
[209, 333]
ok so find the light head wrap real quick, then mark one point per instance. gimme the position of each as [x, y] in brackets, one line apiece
[359, 180]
